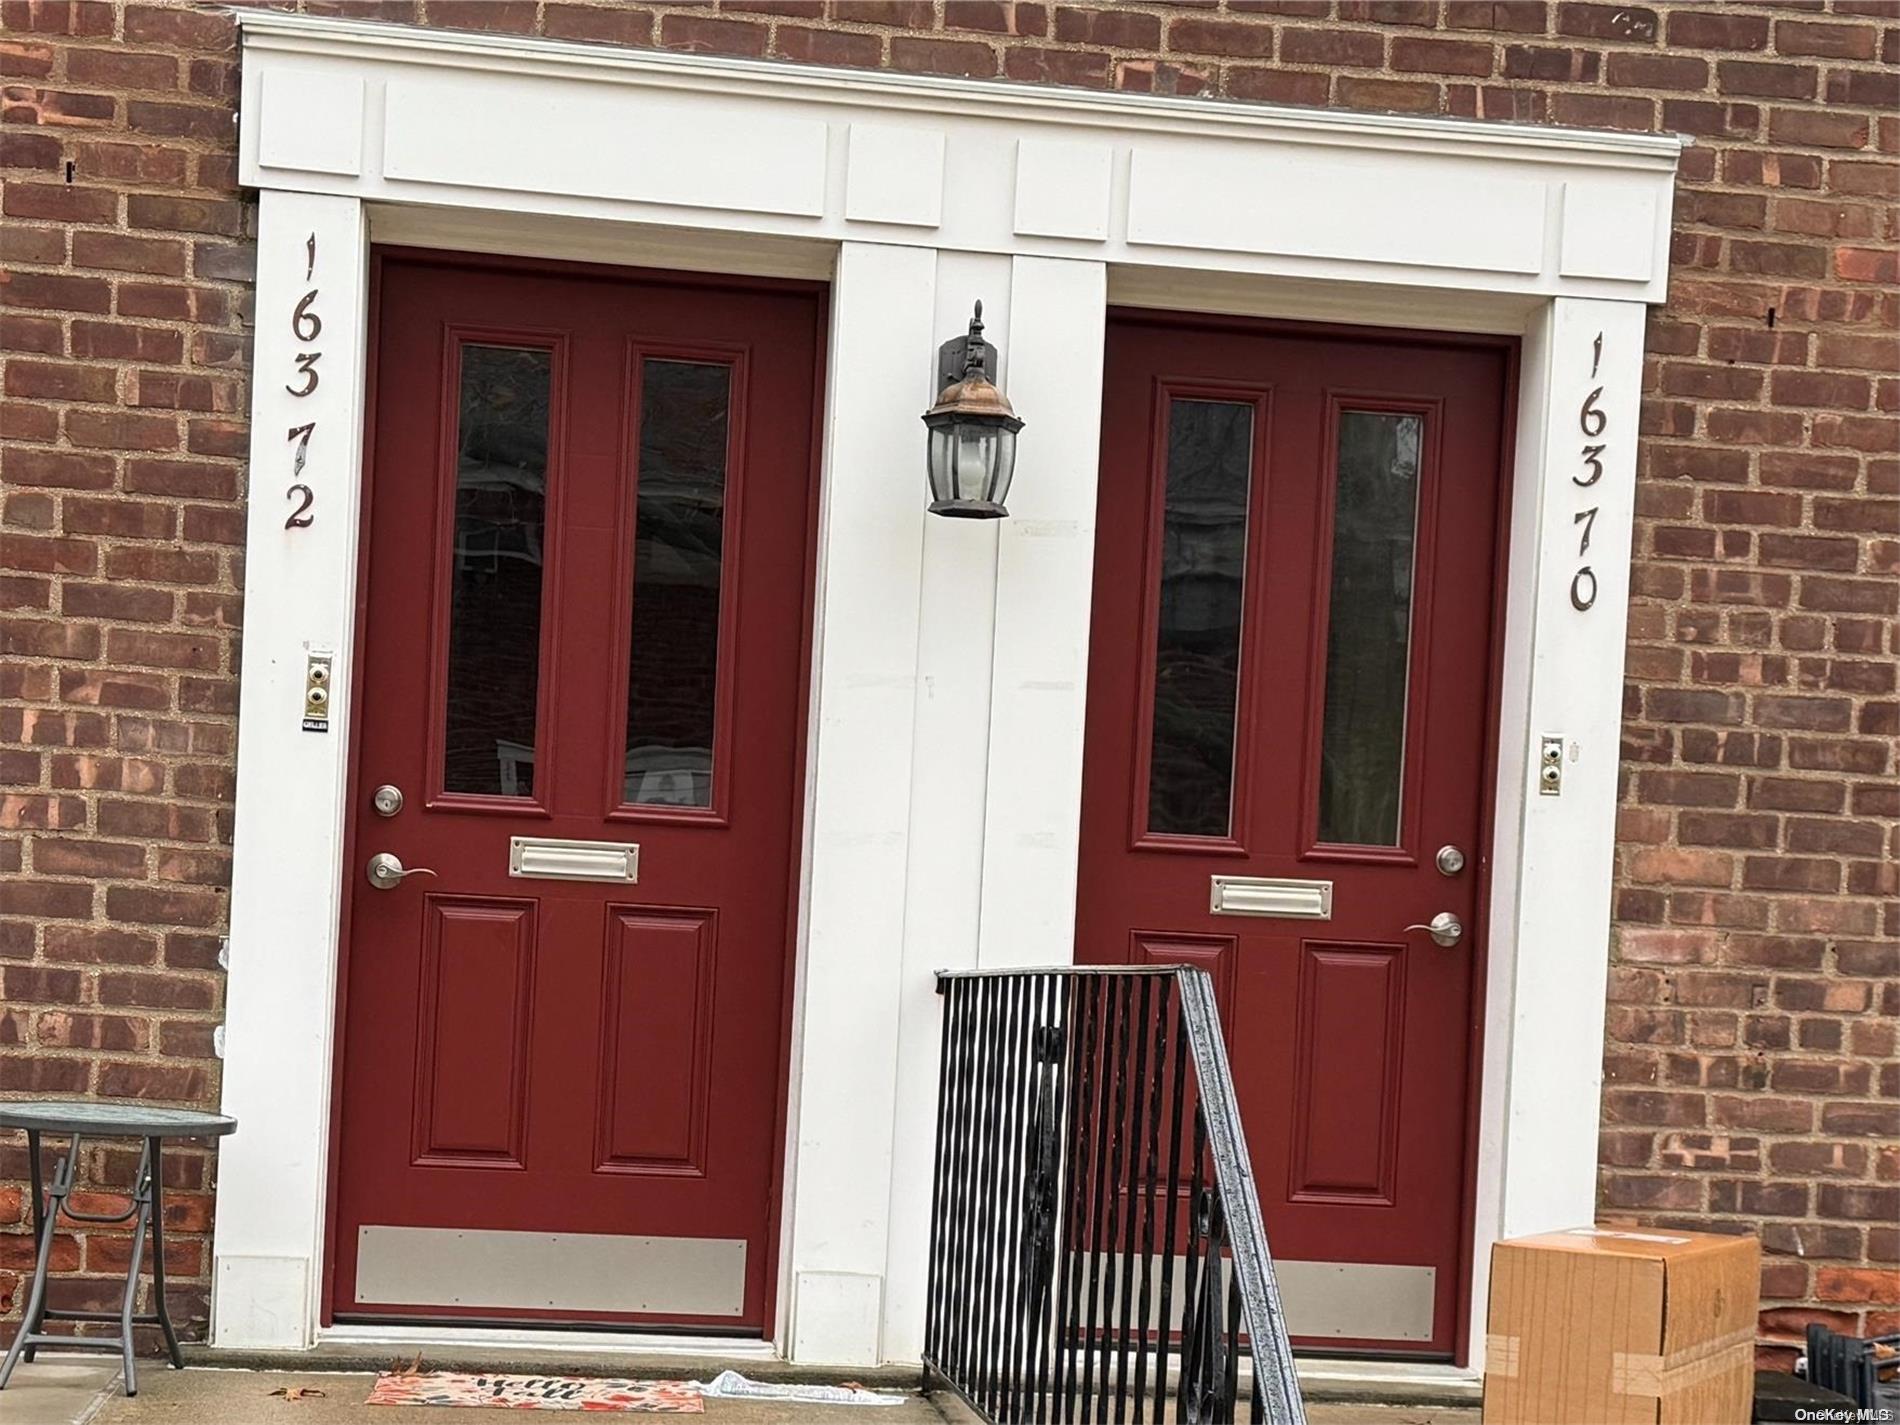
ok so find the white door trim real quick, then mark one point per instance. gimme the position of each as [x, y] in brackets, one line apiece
[950, 662]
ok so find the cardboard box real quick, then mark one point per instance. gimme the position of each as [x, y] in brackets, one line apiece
[1607, 1325]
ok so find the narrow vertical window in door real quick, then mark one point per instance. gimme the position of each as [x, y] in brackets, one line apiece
[1369, 627]
[1197, 624]
[501, 498]
[679, 557]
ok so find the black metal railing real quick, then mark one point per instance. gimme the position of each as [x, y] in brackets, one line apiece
[1096, 1246]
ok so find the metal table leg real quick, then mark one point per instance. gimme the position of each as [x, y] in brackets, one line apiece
[39, 1210]
[35, 1314]
[146, 1195]
[159, 1306]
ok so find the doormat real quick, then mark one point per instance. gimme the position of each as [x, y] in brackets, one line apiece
[668, 1397]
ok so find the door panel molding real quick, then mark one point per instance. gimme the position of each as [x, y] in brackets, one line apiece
[1344, 985]
[636, 991]
[485, 1063]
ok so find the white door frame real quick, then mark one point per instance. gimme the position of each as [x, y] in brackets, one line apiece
[949, 657]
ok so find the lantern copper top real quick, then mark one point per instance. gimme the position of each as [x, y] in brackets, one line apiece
[975, 394]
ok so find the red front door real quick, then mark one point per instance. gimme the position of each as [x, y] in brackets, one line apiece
[589, 520]
[1289, 679]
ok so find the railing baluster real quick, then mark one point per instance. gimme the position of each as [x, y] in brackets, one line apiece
[948, 1303]
[1112, 1356]
[1230, 1382]
[1098, 1179]
[983, 1285]
[1145, 1324]
[1129, 1343]
[943, 1174]
[1015, 1197]
[1171, 1208]
[992, 1190]
[1071, 1324]
[1192, 1311]
[1055, 1131]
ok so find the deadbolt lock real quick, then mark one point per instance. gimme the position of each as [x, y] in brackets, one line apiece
[1450, 860]
[387, 799]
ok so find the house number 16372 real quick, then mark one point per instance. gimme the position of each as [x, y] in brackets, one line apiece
[306, 326]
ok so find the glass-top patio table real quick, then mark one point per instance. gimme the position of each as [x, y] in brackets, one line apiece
[80, 1119]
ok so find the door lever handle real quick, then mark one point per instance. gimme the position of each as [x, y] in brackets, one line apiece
[386, 872]
[1444, 928]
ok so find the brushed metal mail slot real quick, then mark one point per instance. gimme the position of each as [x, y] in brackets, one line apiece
[549, 859]
[1261, 895]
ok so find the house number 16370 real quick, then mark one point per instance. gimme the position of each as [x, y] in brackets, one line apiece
[1593, 422]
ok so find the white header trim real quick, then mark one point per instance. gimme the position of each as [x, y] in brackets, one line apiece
[455, 49]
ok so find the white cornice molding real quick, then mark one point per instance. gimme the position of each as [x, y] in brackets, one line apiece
[942, 97]
[546, 131]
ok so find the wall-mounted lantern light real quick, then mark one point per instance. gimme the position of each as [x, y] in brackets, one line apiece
[972, 431]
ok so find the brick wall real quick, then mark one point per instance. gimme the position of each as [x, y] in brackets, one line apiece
[1752, 1075]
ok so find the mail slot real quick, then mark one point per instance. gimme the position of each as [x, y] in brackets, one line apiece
[548, 858]
[1263, 895]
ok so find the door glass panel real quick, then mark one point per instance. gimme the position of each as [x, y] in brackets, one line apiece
[501, 469]
[1369, 628]
[1197, 647]
[678, 554]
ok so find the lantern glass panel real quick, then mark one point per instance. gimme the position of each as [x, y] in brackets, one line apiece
[975, 461]
[1005, 465]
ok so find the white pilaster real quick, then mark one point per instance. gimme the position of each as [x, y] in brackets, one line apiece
[1045, 569]
[949, 749]
[870, 571]
[288, 872]
[1550, 910]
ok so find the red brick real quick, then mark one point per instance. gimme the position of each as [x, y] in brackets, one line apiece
[1827, 41]
[60, 382]
[1332, 47]
[206, 122]
[1756, 79]
[608, 24]
[1241, 39]
[56, 469]
[1388, 94]
[1115, 29]
[1434, 56]
[1036, 65]
[706, 35]
[1633, 23]
[1806, 128]
[56, 292]
[814, 46]
[1710, 28]
[180, 29]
